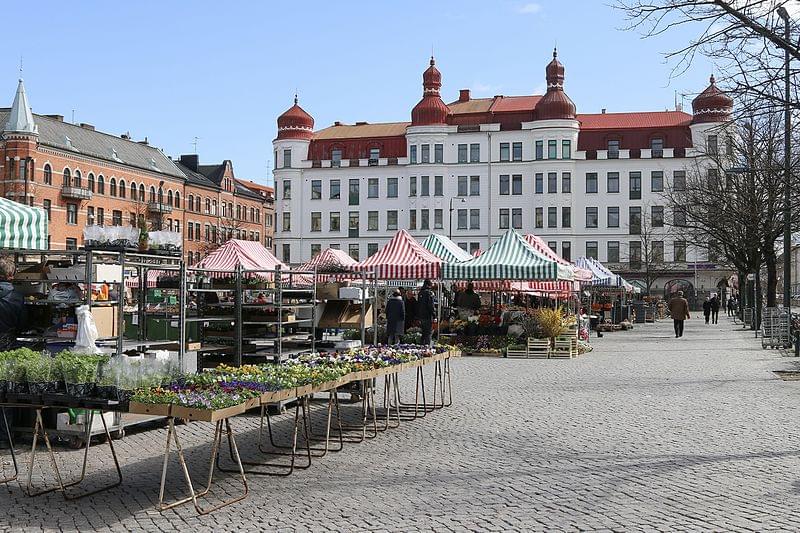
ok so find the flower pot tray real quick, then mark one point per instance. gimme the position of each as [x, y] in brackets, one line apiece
[155, 409]
[24, 398]
[206, 415]
[65, 400]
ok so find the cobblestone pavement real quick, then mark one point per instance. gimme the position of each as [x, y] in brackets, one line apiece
[646, 432]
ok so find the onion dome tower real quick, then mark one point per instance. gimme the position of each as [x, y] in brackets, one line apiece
[555, 104]
[711, 105]
[295, 123]
[431, 110]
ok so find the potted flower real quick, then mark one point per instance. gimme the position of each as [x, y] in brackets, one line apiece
[550, 323]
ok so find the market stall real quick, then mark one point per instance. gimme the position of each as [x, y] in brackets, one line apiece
[22, 227]
[608, 295]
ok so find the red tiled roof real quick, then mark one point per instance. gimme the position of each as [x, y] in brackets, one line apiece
[515, 103]
[646, 119]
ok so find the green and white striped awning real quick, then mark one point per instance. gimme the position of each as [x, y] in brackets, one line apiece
[510, 257]
[22, 227]
[445, 249]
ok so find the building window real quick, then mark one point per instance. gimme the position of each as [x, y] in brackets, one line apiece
[539, 149]
[353, 224]
[287, 222]
[412, 219]
[464, 246]
[505, 184]
[474, 219]
[287, 158]
[424, 185]
[208, 204]
[516, 218]
[426, 153]
[538, 183]
[635, 220]
[635, 179]
[713, 146]
[504, 218]
[679, 251]
[658, 252]
[566, 182]
[374, 156]
[372, 188]
[679, 180]
[438, 153]
[566, 217]
[657, 147]
[462, 153]
[72, 244]
[657, 181]
[566, 250]
[539, 217]
[552, 182]
[336, 158]
[474, 153]
[372, 221]
[566, 149]
[353, 251]
[424, 219]
[47, 205]
[101, 186]
[505, 152]
[612, 182]
[112, 189]
[438, 219]
[613, 149]
[516, 151]
[635, 254]
[552, 217]
[48, 175]
[67, 178]
[141, 196]
[391, 220]
[462, 186]
[462, 218]
[412, 154]
[72, 214]
[612, 251]
[316, 221]
[287, 253]
[335, 189]
[412, 186]
[353, 195]
[552, 149]
[474, 186]
[287, 189]
[728, 146]
[591, 249]
[516, 184]
[591, 182]
[438, 185]
[657, 216]
[334, 221]
[591, 217]
[316, 248]
[391, 188]
[101, 216]
[372, 249]
[679, 216]
[613, 217]
[90, 215]
[316, 189]
[123, 191]
[553, 245]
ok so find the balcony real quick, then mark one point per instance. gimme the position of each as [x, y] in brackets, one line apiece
[76, 193]
[157, 207]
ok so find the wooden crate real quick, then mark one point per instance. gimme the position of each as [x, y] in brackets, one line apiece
[517, 352]
[155, 409]
[564, 348]
[538, 348]
[207, 415]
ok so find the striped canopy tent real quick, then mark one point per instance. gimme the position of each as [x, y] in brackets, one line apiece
[401, 258]
[151, 278]
[601, 276]
[445, 249]
[330, 264]
[249, 255]
[22, 227]
[509, 258]
[477, 253]
[580, 274]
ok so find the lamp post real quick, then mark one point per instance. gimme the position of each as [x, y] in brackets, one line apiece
[461, 200]
[787, 187]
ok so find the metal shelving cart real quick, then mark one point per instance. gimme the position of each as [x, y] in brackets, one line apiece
[775, 328]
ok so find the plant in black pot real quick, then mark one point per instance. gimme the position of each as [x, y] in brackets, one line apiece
[80, 373]
[108, 380]
[41, 374]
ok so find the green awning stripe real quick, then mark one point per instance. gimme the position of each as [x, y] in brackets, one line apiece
[22, 226]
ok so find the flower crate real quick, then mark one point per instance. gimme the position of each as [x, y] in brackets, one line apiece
[206, 415]
[154, 409]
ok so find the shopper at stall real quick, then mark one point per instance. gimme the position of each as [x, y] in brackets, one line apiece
[411, 309]
[679, 309]
[395, 317]
[469, 301]
[715, 309]
[13, 318]
[425, 312]
[707, 308]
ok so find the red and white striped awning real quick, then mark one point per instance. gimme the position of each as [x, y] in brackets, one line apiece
[580, 274]
[151, 277]
[402, 258]
[537, 287]
[250, 255]
[477, 253]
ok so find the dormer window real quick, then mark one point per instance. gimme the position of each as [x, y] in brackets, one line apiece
[374, 155]
[336, 157]
[657, 147]
[613, 149]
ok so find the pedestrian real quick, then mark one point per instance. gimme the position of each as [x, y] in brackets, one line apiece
[411, 309]
[679, 309]
[707, 308]
[13, 315]
[729, 305]
[715, 309]
[425, 312]
[395, 317]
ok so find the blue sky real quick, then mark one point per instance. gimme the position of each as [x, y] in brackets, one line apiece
[223, 71]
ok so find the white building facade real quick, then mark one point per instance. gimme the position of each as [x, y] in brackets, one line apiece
[474, 168]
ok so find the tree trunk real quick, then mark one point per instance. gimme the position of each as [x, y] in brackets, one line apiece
[757, 304]
[771, 263]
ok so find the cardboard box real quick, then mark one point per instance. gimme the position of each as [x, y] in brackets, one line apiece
[106, 320]
[328, 291]
[351, 317]
[352, 293]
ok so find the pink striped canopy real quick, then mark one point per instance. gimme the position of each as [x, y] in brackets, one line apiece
[151, 278]
[401, 258]
[581, 274]
[477, 253]
[330, 260]
[250, 255]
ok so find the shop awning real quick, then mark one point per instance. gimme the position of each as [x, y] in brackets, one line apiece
[601, 276]
[509, 258]
[330, 261]
[580, 274]
[402, 258]
[445, 249]
[21, 226]
[249, 255]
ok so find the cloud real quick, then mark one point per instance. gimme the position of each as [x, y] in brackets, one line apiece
[530, 8]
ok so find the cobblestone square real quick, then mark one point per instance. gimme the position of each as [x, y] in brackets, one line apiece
[647, 432]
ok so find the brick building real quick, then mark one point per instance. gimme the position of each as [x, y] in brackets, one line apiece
[81, 176]
[268, 194]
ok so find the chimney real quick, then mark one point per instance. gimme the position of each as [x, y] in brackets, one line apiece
[463, 95]
[144, 142]
[337, 123]
[603, 111]
[87, 126]
[59, 118]
[190, 161]
[126, 136]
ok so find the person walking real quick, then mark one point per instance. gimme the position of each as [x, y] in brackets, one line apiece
[395, 317]
[425, 312]
[679, 309]
[715, 309]
[707, 308]
[729, 306]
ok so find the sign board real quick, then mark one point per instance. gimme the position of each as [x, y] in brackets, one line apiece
[751, 277]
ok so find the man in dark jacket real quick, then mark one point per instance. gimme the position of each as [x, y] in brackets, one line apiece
[679, 309]
[12, 303]
[395, 317]
[707, 308]
[425, 312]
[715, 309]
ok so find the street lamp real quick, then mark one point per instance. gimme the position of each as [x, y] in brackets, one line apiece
[461, 200]
[787, 187]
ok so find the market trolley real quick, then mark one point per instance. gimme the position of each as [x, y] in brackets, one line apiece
[775, 328]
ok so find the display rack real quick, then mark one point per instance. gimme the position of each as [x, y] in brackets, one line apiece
[211, 297]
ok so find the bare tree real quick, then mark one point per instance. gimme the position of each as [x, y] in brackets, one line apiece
[646, 255]
[228, 228]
